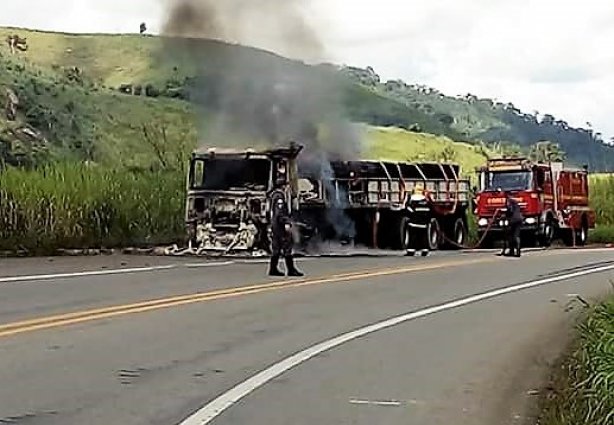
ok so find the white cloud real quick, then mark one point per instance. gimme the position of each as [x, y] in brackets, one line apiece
[551, 55]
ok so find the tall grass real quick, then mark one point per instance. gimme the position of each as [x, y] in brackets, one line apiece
[584, 391]
[602, 201]
[74, 206]
[70, 205]
[602, 198]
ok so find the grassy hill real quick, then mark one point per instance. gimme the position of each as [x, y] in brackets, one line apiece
[478, 119]
[401, 145]
[66, 117]
[69, 92]
[182, 70]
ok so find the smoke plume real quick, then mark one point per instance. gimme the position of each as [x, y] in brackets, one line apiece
[276, 25]
[253, 98]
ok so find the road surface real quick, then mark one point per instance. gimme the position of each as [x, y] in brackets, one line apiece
[454, 338]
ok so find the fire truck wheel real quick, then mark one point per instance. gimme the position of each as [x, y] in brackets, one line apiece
[547, 236]
[582, 235]
[433, 235]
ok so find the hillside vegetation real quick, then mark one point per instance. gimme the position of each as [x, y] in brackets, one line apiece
[401, 145]
[96, 132]
[478, 119]
[64, 116]
[153, 67]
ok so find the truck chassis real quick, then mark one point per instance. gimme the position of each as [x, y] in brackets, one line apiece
[379, 204]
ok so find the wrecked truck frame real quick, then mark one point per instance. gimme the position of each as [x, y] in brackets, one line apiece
[372, 203]
[227, 207]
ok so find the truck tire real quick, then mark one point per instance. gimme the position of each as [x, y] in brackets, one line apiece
[433, 235]
[457, 234]
[547, 236]
[400, 233]
[582, 234]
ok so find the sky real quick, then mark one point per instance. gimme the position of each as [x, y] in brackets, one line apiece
[551, 56]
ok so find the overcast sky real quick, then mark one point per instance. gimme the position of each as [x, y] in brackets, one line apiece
[554, 56]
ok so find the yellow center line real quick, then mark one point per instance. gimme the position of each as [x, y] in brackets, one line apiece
[56, 321]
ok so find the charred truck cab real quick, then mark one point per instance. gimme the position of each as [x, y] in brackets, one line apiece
[554, 201]
[227, 196]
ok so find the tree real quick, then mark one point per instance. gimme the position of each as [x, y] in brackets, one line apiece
[548, 119]
[143, 28]
[546, 151]
[448, 154]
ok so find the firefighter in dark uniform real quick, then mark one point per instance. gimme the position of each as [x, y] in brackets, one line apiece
[281, 226]
[513, 214]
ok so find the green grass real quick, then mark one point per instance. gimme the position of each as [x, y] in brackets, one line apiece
[583, 390]
[75, 206]
[602, 197]
[84, 121]
[109, 59]
[602, 234]
[401, 145]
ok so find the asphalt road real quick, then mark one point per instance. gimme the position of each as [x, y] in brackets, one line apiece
[137, 340]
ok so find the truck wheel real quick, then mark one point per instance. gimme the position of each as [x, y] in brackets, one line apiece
[582, 235]
[433, 235]
[458, 236]
[407, 234]
[547, 236]
[400, 237]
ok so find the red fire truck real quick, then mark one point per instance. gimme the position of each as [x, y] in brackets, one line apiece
[554, 201]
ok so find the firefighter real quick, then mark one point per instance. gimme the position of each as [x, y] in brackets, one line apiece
[281, 226]
[514, 218]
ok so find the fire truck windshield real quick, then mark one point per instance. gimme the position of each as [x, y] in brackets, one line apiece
[231, 174]
[517, 180]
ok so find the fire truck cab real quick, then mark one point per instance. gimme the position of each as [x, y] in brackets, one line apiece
[554, 201]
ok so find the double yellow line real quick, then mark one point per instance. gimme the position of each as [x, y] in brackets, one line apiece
[61, 320]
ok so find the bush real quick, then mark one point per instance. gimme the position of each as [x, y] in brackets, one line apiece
[151, 91]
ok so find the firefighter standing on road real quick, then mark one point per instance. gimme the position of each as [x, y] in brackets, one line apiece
[281, 225]
[514, 219]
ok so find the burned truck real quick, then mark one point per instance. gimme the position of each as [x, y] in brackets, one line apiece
[376, 204]
[227, 208]
[384, 204]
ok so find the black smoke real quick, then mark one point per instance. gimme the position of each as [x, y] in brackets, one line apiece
[251, 98]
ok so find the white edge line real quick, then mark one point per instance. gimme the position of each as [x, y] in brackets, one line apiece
[222, 403]
[204, 265]
[376, 403]
[82, 274]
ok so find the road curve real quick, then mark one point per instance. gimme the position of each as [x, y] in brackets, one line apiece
[156, 341]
